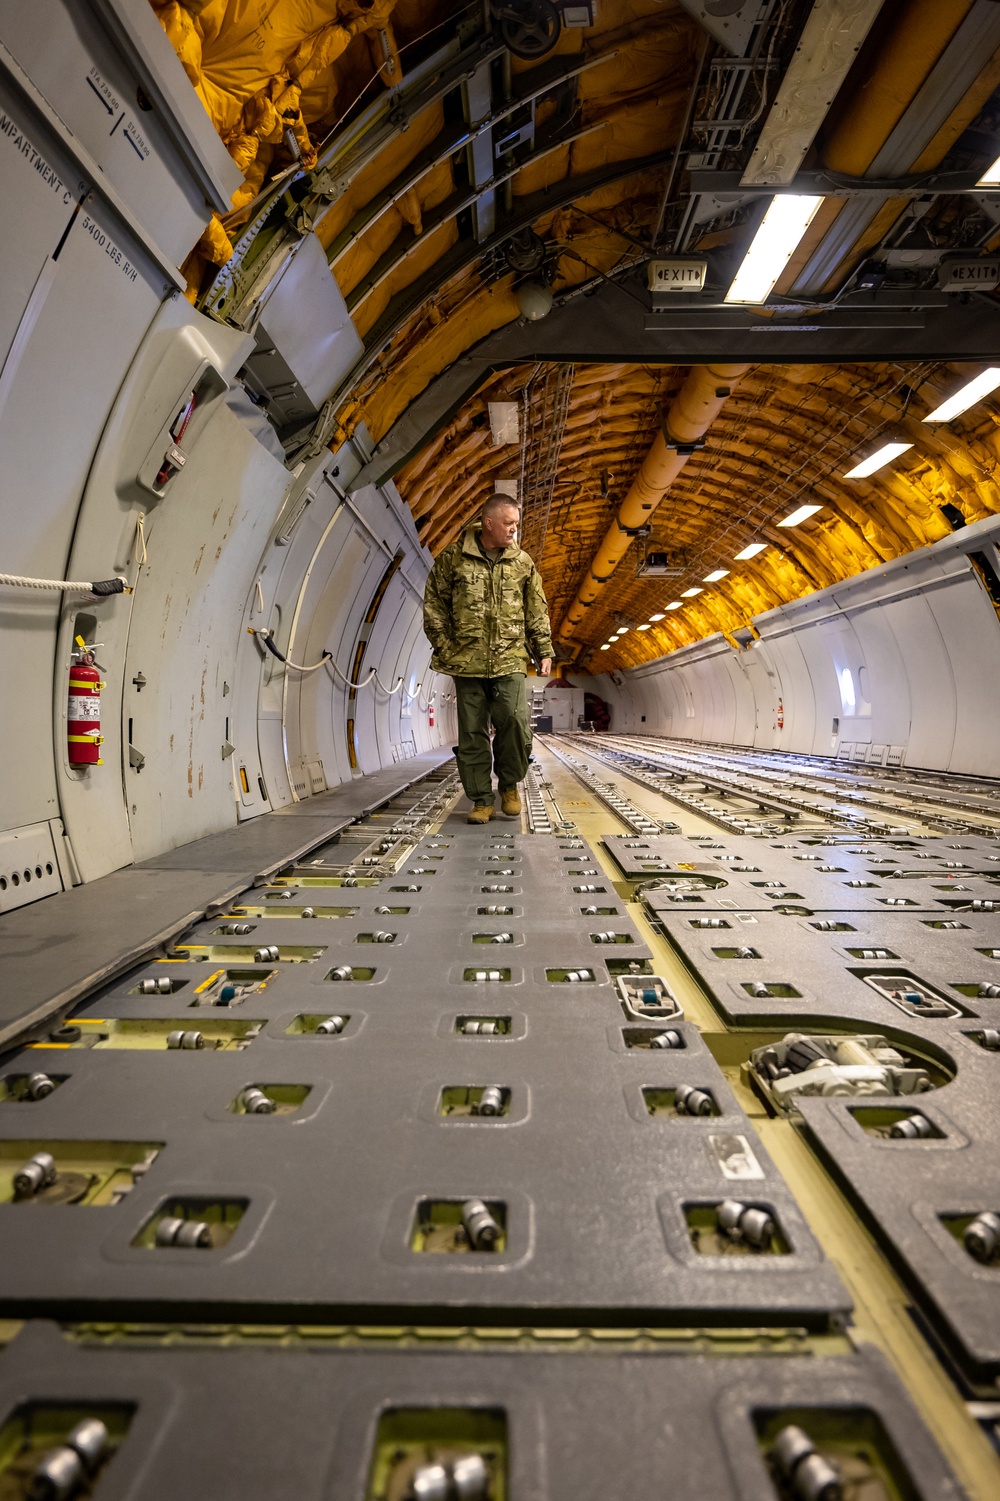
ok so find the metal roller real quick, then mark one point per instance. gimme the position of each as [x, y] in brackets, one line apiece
[308, 912]
[488, 974]
[480, 1226]
[267, 955]
[39, 1086]
[331, 1026]
[236, 929]
[912, 1127]
[502, 938]
[189, 1234]
[37, 1173]
[693, 1101]
[470, 1478]
[89, 1439]
[668, 1039]
[815, 1479]
[791, 1445]
[742, 1222]
[809, 1476]
[162, 986]
[490, 1101]
[430, 1483]
[56, 1476]
[256, 1102]
[185, 1040]
[382, 937]
[981, 1236]
[342, 972]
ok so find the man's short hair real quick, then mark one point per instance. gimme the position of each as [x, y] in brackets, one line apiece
[497, 501]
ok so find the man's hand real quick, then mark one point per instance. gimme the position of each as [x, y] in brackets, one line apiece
[545, 667]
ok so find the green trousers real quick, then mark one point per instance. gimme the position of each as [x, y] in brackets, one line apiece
[502, 703]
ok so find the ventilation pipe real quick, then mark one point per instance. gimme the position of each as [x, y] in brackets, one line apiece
[693, 410]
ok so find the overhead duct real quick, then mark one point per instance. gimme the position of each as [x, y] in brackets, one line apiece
[693, 410]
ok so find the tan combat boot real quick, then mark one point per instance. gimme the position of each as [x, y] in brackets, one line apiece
[510, 802]
[481, 813]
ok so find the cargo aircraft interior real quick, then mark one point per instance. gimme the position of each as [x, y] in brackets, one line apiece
[641, 1144]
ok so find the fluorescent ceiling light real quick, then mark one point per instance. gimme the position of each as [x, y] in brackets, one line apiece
[991, 177]
[605, 647]
[642, 627]
[675, 604]
[751, 551]
[657, 617]
[967, 397]
[716, 575]
[802, 514]
[880, 457]
[782, 227]
[690, 593]
[622, 630]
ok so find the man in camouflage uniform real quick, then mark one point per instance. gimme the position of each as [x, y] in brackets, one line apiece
[484, 611]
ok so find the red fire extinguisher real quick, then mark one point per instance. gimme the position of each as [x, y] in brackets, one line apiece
[430, 720]
[83, 728]
[781, 714]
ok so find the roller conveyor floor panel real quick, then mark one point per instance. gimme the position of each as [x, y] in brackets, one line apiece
[447, 1146]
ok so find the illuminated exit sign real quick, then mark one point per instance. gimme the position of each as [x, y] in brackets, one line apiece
[968, 273]
[678, 274]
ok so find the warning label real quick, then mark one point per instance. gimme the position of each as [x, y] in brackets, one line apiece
[84, 708]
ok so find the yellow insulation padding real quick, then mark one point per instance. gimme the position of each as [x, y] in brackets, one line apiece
[378, 174]
[360, 256]
[427, 254]
[487, 309]
[261, 67]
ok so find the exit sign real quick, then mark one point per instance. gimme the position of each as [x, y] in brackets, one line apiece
[678, 274]
[968, 273]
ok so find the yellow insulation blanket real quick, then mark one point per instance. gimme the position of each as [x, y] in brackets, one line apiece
[261, 67]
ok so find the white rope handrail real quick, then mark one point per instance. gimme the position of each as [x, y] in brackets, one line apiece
[72, 586]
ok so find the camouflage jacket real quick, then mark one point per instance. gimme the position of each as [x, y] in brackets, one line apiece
[483, 618]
